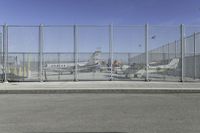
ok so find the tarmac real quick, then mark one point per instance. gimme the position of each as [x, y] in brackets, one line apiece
[98, 87]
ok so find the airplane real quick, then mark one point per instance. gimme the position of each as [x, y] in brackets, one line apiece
[139, 71]
[93, 64]
[153, 37]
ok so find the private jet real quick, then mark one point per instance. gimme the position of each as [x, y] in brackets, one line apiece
[93, 64]
[139, 70]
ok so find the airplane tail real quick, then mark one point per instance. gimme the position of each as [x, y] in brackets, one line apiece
[95, 58]
[174, 63]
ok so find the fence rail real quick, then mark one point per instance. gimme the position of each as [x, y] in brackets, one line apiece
[94, 52]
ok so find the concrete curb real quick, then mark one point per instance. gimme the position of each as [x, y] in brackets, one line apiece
[99, 91]
[99, 87]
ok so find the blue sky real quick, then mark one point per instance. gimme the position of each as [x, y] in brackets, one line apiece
[99, 12]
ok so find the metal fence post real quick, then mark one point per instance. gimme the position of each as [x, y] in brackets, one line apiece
[23, 56]
[146, 50]
[111, 51]
[5, 52]
[129, 59]
[41, 43]
[75, 54]
[1, 48]
[182, 51]
[168, 55]
[59, 73]
[195, 55]
[175, 48]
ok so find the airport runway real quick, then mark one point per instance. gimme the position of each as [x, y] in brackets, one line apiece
[132, 113]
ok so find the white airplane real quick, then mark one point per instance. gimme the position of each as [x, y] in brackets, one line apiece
[93, 64]
[172, 65]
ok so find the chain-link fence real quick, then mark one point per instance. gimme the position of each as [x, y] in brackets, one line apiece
[1, 53]
[90, 52]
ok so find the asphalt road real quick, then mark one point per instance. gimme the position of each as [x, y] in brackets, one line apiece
[133, 113]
